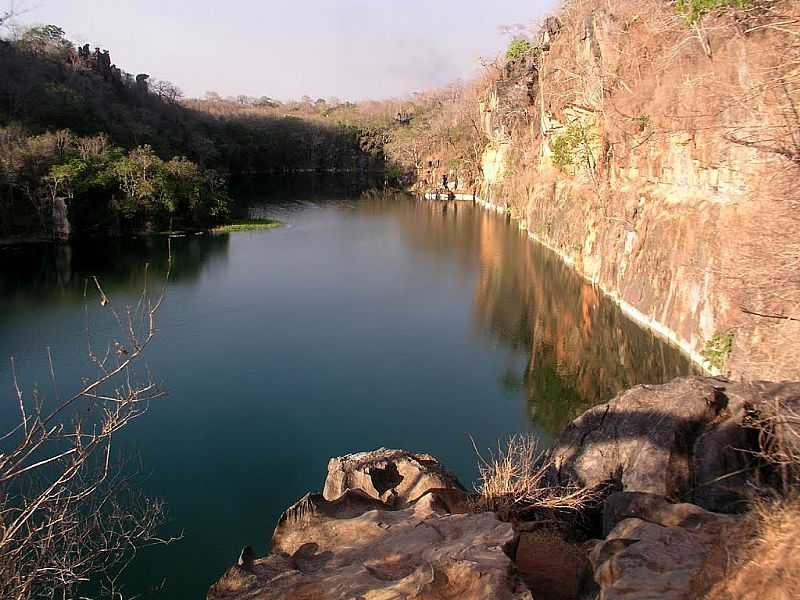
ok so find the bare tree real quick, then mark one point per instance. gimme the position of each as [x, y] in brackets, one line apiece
[166, 90]
[69, 513]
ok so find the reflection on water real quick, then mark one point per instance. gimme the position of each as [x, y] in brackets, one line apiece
[580, 348]
[45, 273]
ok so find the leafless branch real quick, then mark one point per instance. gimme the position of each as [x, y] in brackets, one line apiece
[68, 512]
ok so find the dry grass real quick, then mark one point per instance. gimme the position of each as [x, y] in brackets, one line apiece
[778, 428]
[514, 482]
[764, 561]
[768, 566]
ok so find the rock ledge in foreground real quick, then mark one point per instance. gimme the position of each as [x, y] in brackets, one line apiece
[353, 548]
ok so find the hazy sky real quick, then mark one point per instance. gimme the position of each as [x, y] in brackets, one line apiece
[352, 49]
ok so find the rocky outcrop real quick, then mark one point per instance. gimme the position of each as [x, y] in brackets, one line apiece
[396, 524]
[642, 439]
[689, 440]
[359, 547]
[397, 477]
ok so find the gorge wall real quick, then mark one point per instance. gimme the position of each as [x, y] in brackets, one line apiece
[658, 156]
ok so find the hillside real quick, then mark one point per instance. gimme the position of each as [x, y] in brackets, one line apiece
[62, 108]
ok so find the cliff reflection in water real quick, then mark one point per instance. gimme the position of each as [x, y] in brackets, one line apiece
[579, 347]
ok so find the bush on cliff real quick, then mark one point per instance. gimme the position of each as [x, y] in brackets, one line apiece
[518, 48]
[694, 10]
[514, 483]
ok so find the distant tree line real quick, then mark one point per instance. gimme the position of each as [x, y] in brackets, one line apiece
[56, 100]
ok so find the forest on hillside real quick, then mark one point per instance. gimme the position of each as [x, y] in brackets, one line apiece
[126, 154]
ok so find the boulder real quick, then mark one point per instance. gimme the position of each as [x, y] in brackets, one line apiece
[397, 477]
[358, 547]
[694, 439]
[643, 438]
[672, 553]
[760, 419]
[773, 409]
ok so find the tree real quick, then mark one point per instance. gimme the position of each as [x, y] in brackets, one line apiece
[266, 101]
[166, 90]
[68, 512]
[518, 48]
[45, 39]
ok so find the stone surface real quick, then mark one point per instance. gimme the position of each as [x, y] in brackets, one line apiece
[643, 438]
[357, 547]
[724, 457]
[672, 556]
[692, 439]
[397, 477]
[651, 508]
[775, 407]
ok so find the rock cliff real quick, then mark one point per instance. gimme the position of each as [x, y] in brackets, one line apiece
[658, 158]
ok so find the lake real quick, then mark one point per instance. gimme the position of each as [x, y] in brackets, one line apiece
[370, 320]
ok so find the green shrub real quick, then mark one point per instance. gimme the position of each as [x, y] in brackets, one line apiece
[694, 10]
[393, 172]
[145, 189]
[717, 349]
[573, 148]
[518, 48]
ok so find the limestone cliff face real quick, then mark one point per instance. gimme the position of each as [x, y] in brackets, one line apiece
[660, 162]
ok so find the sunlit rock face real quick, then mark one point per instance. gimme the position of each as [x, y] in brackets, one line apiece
[675, 213]
[358, 547]
[671, 554]
[391, 524]
[656, 457]
[397, 477]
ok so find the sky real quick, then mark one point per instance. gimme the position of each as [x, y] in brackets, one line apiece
[349, 49]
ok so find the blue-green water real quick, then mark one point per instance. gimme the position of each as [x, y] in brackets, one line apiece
[368, 321]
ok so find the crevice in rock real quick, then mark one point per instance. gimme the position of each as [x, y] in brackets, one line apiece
[385, 478]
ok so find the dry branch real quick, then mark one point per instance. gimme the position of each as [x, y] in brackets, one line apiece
[69, 514]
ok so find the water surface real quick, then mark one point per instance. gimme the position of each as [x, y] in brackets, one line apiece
[368, 321]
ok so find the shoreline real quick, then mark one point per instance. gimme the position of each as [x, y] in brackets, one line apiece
[650, 324]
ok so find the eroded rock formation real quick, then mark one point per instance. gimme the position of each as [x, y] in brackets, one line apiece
[397, 477]
[357, 546]
[659, 550]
